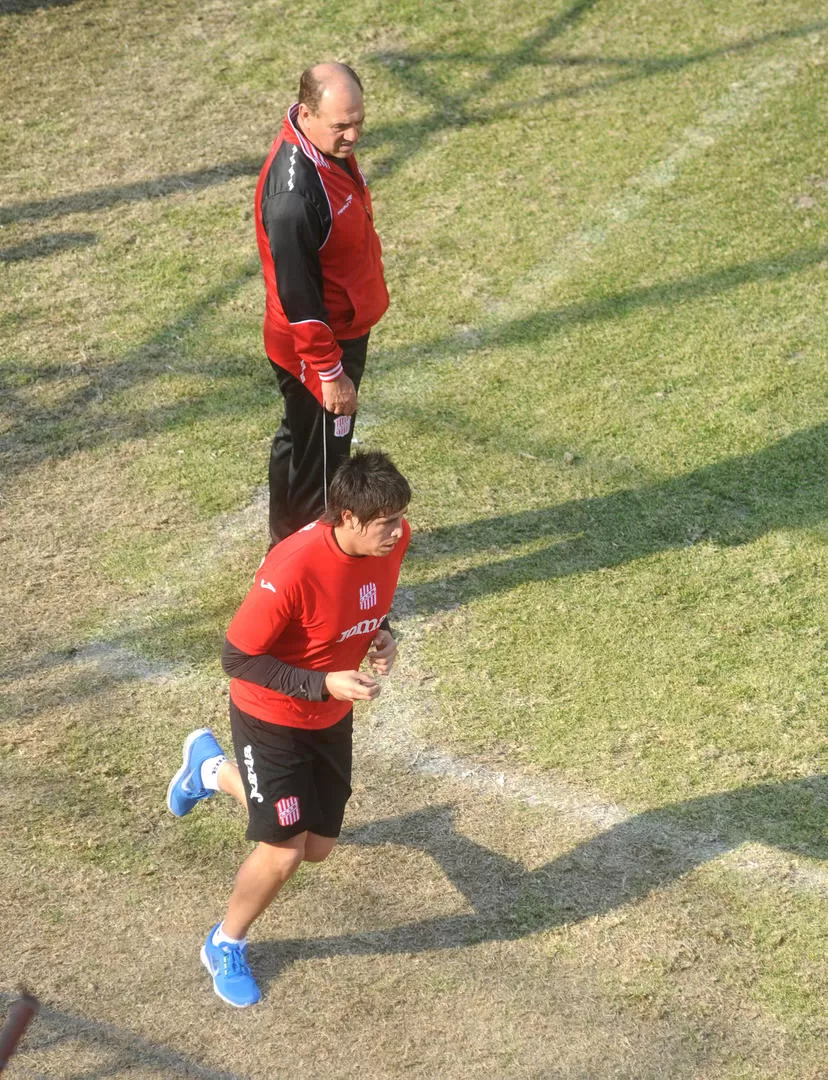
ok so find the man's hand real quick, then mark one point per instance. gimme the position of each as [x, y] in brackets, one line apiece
[339, 396]
[384, 652]
[351, 685]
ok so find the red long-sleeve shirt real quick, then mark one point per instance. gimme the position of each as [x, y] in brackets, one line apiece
[314, 607]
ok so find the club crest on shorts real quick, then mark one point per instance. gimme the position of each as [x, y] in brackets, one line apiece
[288, 810]
[342, 425]
[367, 596]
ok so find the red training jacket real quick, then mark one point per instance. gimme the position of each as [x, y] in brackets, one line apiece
[321, 256]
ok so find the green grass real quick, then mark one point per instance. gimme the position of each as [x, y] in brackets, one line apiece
[603, 370]
[616, 447]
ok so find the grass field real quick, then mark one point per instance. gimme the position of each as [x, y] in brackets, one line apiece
[590, 821]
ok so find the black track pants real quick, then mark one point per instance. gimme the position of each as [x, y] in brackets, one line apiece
[308, 447]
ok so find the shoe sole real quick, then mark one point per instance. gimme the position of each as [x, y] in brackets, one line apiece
[188, 742]
[206, 961]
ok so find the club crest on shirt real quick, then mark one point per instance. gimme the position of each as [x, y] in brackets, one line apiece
[367, 596]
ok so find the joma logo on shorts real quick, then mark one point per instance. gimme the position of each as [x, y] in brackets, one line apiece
[367, 626]
[252, 779]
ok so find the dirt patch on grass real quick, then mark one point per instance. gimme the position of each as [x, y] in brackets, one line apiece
[432, 943]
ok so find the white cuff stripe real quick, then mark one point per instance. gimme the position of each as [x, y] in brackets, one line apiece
[331, 373]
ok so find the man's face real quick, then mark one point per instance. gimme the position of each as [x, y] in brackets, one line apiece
[376, 537]
[336, 128]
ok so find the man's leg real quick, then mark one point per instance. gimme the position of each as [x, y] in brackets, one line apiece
[296, 469]
[308, 447]
[260, 877]
[278, 479]
[264, 872]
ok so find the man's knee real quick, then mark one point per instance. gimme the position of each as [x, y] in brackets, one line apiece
[283, 859]
[318, 848]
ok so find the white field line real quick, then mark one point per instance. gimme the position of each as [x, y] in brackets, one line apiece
[230, 532]
[391, 730]
[730, 112]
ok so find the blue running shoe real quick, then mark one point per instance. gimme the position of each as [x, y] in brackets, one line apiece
[228, 965]
[185, 788]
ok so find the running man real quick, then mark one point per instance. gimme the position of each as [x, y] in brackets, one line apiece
[318, 607]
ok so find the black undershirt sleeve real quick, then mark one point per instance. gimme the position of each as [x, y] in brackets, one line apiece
[273, 673]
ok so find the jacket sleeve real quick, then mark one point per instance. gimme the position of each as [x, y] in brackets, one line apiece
[294, 233]
[273, 673]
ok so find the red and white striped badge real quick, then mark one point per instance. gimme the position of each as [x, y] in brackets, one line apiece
[367, 595]
[342, 425]
[288, 810]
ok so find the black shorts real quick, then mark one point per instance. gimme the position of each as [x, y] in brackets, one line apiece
[295, 780]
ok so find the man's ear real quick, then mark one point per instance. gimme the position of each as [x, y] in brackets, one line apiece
[349, 521]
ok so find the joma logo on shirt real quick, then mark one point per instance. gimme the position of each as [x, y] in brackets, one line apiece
[367, 626]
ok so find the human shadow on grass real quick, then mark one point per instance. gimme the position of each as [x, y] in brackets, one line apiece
[121, 1052]
[649, 851]
[538, 326]
[82, 418]
[43, 246]
[451, 108]
[728, 503]
[101, 198]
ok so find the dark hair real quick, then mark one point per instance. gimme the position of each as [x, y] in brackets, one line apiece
[312, 88]
[369, 485]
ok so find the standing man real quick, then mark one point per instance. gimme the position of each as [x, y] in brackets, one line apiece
[318, 606]
[324, 287]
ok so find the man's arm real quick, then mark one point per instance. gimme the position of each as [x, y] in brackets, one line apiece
[295, 235]
[383, 651]
[275, 674]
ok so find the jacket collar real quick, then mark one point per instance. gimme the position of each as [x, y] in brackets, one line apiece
[291, 129]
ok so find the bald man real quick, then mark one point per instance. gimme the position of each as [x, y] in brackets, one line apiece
[324, 288]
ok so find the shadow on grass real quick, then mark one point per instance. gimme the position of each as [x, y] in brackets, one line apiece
[539, 326]
[121, 1052]
[84, 202]
[50, 244]
[28, 7]
[79, 421]
[82, 419]
[731, 502]
[452, 110]
[449, 110]
[618, 867]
